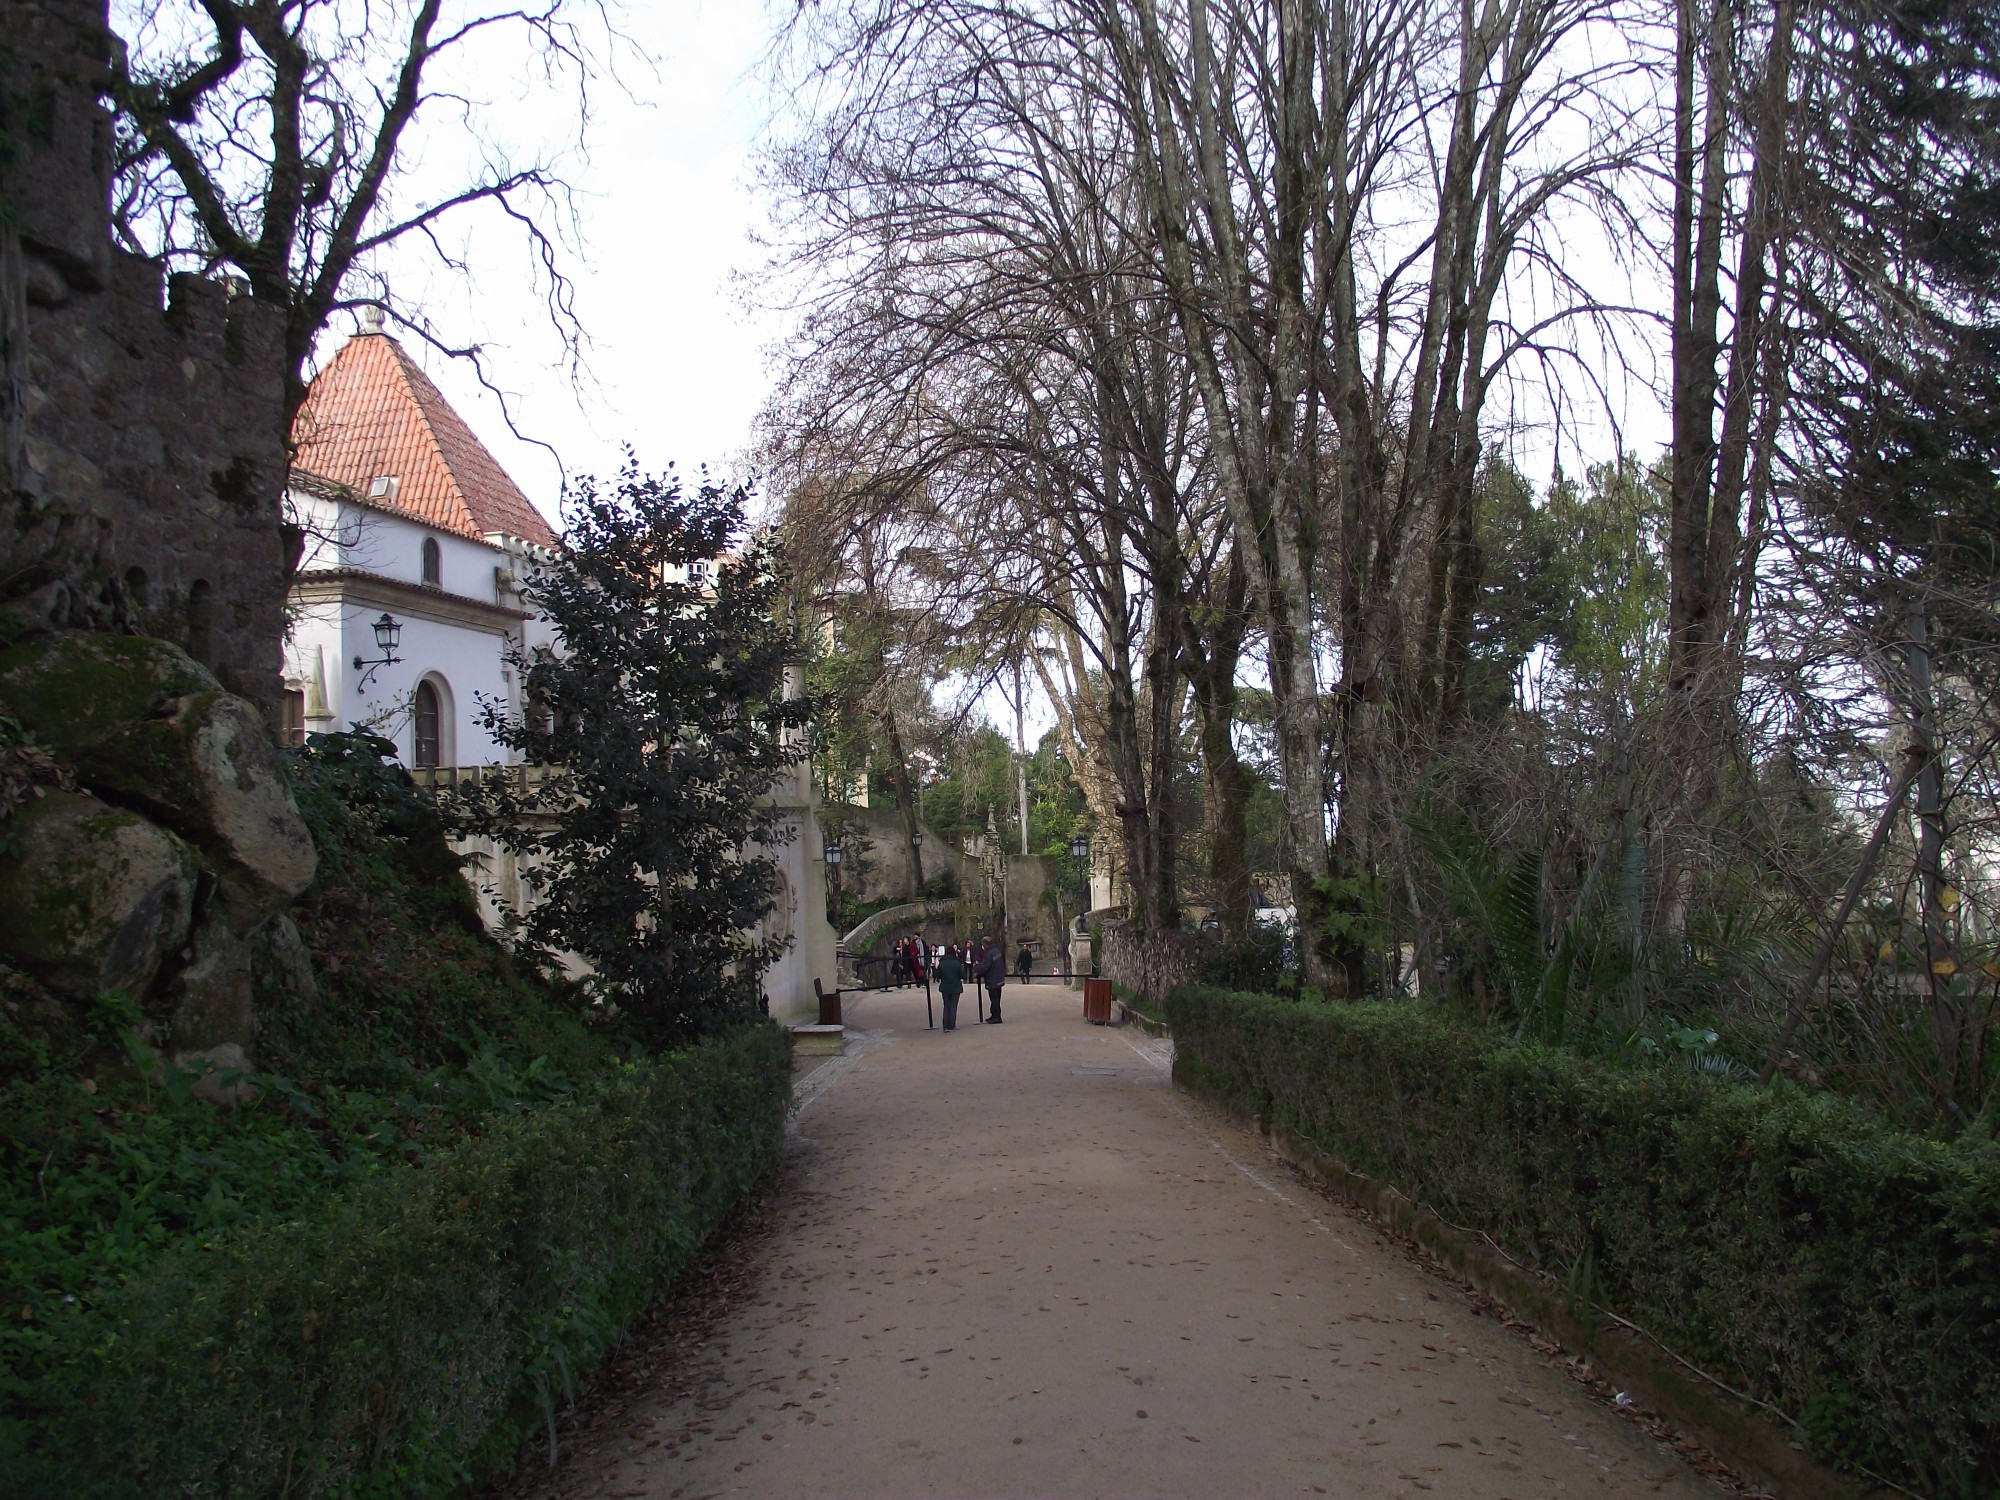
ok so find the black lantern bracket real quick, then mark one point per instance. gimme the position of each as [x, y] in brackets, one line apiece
[388, 634]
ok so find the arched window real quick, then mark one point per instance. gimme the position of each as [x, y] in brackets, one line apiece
[433, 563]
[429, 718]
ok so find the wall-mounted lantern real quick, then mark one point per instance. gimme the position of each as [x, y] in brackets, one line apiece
[388, 633]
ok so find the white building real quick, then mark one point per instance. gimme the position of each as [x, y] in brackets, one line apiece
[408, 597]
[406, 515]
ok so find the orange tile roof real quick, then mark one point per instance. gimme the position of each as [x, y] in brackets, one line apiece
[371, 412]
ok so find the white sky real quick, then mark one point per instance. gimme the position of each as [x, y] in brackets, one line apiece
[675, 364]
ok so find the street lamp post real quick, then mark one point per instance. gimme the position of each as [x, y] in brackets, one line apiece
[1079, 850]
[833, 855]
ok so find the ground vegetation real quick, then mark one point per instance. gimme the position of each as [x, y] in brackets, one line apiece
[214, 1278]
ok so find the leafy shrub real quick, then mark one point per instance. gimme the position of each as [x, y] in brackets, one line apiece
[131, 1211]
[402, 1337]
[663, 723]
[423, 1035]
[1840, 1268]
[1263, 961]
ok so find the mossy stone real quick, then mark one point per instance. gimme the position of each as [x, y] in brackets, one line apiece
[74, 689]
[204, 765]
[96, 897]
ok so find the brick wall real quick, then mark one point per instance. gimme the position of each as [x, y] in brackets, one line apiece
[142, 451]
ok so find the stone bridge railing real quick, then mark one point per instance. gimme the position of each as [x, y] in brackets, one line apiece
[857, 941]
[440, 778]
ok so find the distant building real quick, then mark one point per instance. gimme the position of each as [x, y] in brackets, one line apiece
[408, 516]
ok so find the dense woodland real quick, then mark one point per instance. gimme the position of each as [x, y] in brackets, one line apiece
[1245, 377]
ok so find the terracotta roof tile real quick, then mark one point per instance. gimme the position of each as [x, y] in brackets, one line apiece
[371, 412]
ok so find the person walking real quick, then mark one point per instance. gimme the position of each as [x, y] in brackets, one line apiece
[919, 956]
[951, 980]
[1024, 964]
[994, 972]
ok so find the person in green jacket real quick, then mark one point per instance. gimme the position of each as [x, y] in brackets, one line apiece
[951, 980]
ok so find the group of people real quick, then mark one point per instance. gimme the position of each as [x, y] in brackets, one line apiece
[983, 963]
[911, 960]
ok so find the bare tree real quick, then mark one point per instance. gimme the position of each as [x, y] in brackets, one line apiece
[267, 139]
[1281, 144]
[987, 312]
[1252, 167]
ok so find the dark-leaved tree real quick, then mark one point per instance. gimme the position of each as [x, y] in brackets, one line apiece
[660, 722]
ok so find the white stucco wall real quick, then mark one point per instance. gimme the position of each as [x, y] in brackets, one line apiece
[454, 635]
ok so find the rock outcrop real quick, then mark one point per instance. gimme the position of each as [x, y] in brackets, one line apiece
[167, 877]
[97, 898]
[149, 728]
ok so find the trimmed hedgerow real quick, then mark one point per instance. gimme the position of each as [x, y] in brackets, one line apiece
[404, 1337]
[1843, 1270]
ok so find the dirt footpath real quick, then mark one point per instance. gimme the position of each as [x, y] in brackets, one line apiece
[1014, 1261]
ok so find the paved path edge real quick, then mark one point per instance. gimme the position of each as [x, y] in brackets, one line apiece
[1732, 1429]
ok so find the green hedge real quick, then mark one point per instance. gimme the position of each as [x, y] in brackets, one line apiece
[404, 1338]
[1847, 1272]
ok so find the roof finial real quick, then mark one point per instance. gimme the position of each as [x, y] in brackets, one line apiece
[371, 317]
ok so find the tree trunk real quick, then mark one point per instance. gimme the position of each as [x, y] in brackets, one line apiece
[1226, 784]
[1930, 841]
[1021, 752]
[906, 802]
[1211, 660]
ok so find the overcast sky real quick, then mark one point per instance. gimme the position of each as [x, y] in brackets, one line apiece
[676, 365]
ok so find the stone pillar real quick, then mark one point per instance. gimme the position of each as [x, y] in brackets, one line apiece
[1079, 956]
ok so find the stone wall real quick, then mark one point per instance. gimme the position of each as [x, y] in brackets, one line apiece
[142, 456]
[875, 834]
[1149, 965]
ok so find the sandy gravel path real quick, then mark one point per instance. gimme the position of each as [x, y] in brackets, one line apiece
[1014, 1261]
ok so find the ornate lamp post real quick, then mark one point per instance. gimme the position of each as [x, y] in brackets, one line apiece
[1079, 850]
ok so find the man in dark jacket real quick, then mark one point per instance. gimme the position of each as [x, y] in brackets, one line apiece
[951, 980]
[993, 973]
